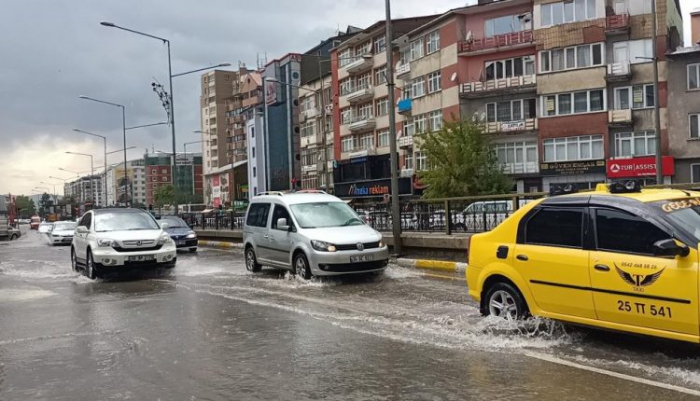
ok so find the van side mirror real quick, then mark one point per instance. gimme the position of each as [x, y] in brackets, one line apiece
[81, 230]
[283, 225]
[669, 247]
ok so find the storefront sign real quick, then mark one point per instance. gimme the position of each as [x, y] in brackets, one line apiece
[513, 126]
[639, 167]
[373, 188]
[573, 168]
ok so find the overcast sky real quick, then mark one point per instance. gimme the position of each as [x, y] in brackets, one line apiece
[51, 51]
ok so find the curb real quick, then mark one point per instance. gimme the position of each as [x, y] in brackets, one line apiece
[425, 264]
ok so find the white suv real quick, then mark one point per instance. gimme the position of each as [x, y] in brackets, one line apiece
[310, 233]
[120, 239]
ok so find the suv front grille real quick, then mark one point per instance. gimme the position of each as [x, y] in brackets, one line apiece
[142, 249]
[353, 247]
[144, 242]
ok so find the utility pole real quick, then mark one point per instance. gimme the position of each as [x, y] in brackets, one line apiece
[395, 207]
[657, 118]
[324, 170]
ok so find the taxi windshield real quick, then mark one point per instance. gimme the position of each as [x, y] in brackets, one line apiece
[683, 213]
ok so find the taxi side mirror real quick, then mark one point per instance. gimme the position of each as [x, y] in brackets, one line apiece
[669, 247]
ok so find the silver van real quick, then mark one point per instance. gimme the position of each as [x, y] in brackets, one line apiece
[310, 233]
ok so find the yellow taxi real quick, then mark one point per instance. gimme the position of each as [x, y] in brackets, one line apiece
[620, 258]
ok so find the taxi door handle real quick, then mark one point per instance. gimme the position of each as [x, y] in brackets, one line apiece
[524, 258]
[603, 268]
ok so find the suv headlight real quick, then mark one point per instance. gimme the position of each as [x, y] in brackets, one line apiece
[106, 242]
[382, 244]
[163, 239]
[322, 246]
[191, 234]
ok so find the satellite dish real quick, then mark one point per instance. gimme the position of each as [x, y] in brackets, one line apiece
[453, 77]
[482, 117]
[469, 37]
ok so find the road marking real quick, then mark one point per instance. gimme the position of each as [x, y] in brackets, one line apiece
[622, 376]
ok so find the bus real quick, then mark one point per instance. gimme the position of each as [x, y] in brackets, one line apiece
[192, 208]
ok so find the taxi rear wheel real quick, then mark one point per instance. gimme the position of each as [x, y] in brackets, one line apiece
[504, 301]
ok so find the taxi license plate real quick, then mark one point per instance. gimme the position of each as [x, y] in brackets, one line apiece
[361, 258]
[141, 258]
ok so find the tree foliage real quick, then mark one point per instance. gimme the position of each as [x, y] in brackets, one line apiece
[462, 162]
[164, 195]
[25, 205]
[45, 201]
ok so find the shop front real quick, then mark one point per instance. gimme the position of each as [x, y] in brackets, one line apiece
[372, 189]
[640, 168]
[585, 174]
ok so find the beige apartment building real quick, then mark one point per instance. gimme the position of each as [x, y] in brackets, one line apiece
[217, 88]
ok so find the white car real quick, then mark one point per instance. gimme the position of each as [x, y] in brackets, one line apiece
[62, 233]
[45, 227]
[120, 239]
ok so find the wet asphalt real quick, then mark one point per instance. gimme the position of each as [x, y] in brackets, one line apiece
[210, 330]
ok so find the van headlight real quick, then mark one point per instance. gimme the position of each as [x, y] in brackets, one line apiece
[191, 235]
[106, 242]
[163, 239]
[381, 243]
[322, 246]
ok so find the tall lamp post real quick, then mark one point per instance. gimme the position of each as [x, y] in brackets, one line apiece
[170, 84]
[104, 182]
[92, 171]
[126, 178]
[54, 189]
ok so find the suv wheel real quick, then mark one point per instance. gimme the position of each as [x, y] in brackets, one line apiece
[251, 262]
[301, 266]
[503, 300]
[13, 237]
[90, 268]
[73, 260]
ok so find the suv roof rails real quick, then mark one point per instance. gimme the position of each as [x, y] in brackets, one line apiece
[278, 193]
[311, 191]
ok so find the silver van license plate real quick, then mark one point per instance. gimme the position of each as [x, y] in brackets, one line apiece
[361, 258]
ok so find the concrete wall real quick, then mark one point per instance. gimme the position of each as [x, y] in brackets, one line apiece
[682, 102]
[571, 80]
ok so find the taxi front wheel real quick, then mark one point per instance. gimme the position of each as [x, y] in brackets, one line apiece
[504, 301]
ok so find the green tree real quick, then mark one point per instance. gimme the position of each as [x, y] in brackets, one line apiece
[45, 202]
[462, 162]
[26, 206]
[164, 195]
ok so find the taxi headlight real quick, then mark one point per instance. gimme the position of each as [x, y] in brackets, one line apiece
[323, 246]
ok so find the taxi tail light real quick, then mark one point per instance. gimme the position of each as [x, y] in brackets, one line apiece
[469, 247]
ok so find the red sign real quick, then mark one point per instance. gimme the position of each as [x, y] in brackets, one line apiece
[639, 167]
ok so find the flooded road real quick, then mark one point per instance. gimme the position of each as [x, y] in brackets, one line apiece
[210, 330]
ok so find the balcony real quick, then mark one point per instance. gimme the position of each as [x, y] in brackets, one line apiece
[495, 43]
[360, 65]
[520, 168]
[405, 141]
[308, 140]
[329, 138]
[529, 124]
[620, 118]
[618, 72]
[617, 24]
[405, 106]
[525, 83]
[362, 124]
[362, 153]
[311, 113]
[402, 69]
[360, 93]
[309, 168]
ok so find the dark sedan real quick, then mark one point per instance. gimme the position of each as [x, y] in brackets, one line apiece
[181, 233]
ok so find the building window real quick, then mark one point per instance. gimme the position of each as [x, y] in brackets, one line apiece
[307, 129]
[363, 81]
[512, 153]
[512, 67]
[380, 75]
[630, 144]
[366, 141]
[420, 124]
[583, 102]
[694, 124]
[164, 171]
[252, 151]
[433, 42]
[434, 81]
[345, 87]
[416, 48]
[308, 157]
[364, 111]
[418, 87]
[346, 116]
[587, 147]
[421, 161]
[164, 179]
[347, 144]
[408, 129]
[633, 51]
[345, 57]
[693, 76]
[254, 172]
[567, 11]
[511, 110]
[408, 162]
[572, 57]
[694, 173]
[634, 97]
[379, 44]
[155, 186]
[505, 24]
[363, 49]
[154, 171]
[435, 120]
[307, 103]
[154, 179]
[382, 107]
[383, 138]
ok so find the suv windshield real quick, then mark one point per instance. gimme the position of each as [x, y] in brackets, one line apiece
[124, 222]
[64, 226]
[174, 222]
[325, 214]
[683, 213]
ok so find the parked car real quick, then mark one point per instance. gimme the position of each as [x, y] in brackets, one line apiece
[45, 227]
[181, 233]
[13, 233]
[310, 234]
[120, 239]
[34, 222]
[62, 233]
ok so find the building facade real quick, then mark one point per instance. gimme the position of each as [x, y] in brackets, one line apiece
[217, 90]
[189, 185]
[117, 192]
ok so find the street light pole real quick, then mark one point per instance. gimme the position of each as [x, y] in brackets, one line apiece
[104, 182]
[657, 118]
[92, 172]
[394, 158]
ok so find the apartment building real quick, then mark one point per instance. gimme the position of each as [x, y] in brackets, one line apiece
[189, 172]
[684, 111]
[316, 133]
[217, 88]
[361, 112]
[85, 190]
[119, 193]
